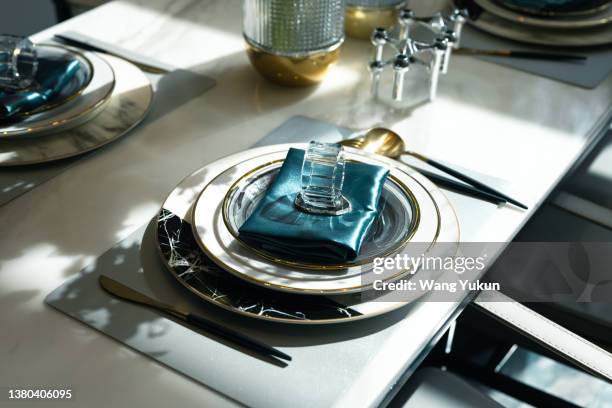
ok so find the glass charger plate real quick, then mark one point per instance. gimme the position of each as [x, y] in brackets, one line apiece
[600, 18]
[187, 263]
[587, 37]
[224, 249]
[76, 110]
[128, 104]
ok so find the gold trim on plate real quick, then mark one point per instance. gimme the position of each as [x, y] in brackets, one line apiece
[77, 118]
[289, 289]
[52, 105]
[131, 98]
[239, 158]
[414, 224]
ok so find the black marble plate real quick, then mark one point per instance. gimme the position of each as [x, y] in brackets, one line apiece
[190, 265]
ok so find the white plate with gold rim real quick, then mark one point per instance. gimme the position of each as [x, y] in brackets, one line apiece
[77, 110]
[194, 270]
[127, 106]
[586, 37]
[215, 236]
[600, 18]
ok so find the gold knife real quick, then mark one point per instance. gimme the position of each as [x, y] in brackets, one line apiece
[121, 291]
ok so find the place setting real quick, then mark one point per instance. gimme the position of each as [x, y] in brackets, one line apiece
[326, 227]
[62, 99]
[211, 231]
[238, 233]
[281, 234]
[567, 40]
[284, 237]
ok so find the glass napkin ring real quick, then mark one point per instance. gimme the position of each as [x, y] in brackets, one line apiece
[18, 62]
[322, 179]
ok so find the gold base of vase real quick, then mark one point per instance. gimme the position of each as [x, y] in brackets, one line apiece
[293, 71]
[360, 22]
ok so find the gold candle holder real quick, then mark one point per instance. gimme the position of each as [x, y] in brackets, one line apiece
[293, 70]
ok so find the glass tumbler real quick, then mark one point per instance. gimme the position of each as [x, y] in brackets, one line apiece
[18, 62]
[293, 42]
[363, 16]
[322, 179]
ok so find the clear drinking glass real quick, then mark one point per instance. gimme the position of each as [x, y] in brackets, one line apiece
[292, 42]
[18, 62]
[322, 179]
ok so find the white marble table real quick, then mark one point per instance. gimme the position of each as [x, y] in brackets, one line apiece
[521, 128]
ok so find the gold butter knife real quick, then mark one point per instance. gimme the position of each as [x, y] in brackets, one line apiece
[121, 291]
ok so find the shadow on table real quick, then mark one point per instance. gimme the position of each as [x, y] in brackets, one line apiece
[142, 269]
[480, 85]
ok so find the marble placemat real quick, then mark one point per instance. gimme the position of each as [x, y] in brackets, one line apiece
[587, 75]
[327, 359]
[171, 91]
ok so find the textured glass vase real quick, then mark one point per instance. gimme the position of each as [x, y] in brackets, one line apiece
[293, 42]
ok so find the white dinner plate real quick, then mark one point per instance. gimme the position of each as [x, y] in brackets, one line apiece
[585, 37]
[187, 263]
[127, 106]
[600, 18]
[84, 106]
[225, 248]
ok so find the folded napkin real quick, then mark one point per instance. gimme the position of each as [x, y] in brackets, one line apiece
[278, 227]
[53, 74]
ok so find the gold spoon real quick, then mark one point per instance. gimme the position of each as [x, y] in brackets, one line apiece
[388, 143]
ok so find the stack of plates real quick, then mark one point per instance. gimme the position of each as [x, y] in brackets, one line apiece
[103, 101]
[197, 233]
[570, 24]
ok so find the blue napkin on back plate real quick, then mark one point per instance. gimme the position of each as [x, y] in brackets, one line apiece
[53, 74]
[276, 226]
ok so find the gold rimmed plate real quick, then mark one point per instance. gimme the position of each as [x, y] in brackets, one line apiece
[192, 268]
[597, 19]
[399, 216]
[128, 104]
[588, 8]
[75, 109]
[75, 85]
[223, 247]
[585, 37]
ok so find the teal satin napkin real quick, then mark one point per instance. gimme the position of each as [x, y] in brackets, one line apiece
[53, 74]
[278, 227]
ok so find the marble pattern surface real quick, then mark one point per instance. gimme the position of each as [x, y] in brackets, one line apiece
[196, 271]
[81, 99]
[524, 129]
